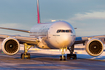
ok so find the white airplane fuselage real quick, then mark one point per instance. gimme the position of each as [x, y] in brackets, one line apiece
[54, 35]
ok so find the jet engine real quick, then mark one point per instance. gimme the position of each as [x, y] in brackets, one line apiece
[94, 47]
[10, 46]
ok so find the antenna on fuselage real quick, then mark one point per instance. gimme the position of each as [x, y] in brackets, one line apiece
[38, 12]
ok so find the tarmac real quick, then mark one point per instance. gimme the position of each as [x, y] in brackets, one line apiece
[49, 60]
[40, 61]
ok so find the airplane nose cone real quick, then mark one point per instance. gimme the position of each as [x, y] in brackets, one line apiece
[65, 40]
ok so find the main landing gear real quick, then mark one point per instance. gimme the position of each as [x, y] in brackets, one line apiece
[26, 55]
[71, 55]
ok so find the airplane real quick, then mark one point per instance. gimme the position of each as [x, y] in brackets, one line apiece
[53, 35]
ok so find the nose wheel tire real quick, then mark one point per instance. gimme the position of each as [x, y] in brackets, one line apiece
[25, 56]
[62, 58]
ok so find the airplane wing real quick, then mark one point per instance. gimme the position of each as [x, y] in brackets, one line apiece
[15, 29]
[83, 39]
[21, 39]
[11, 43]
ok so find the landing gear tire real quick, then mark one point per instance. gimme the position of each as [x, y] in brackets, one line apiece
[28, 54]
[62, 59]
[71, 56]
[23, 55]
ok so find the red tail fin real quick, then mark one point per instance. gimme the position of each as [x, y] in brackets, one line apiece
[38, 13]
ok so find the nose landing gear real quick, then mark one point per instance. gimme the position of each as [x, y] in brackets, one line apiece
[62, 57]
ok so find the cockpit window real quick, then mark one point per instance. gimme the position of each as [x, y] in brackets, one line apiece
[62, 31]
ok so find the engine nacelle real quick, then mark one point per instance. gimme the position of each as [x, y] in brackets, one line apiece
[94, 47]
[10, 46]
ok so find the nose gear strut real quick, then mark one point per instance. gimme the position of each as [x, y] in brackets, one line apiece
[62, 52]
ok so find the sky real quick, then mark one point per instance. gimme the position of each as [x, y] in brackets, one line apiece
[88, 16]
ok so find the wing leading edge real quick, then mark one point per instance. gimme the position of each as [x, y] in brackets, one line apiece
[83, 39]
[15, 29]
[21, 39]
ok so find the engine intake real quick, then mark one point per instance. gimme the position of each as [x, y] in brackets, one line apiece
[10, 46]
[94, 47]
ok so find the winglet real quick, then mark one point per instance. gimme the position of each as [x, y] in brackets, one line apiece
[38, 12]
